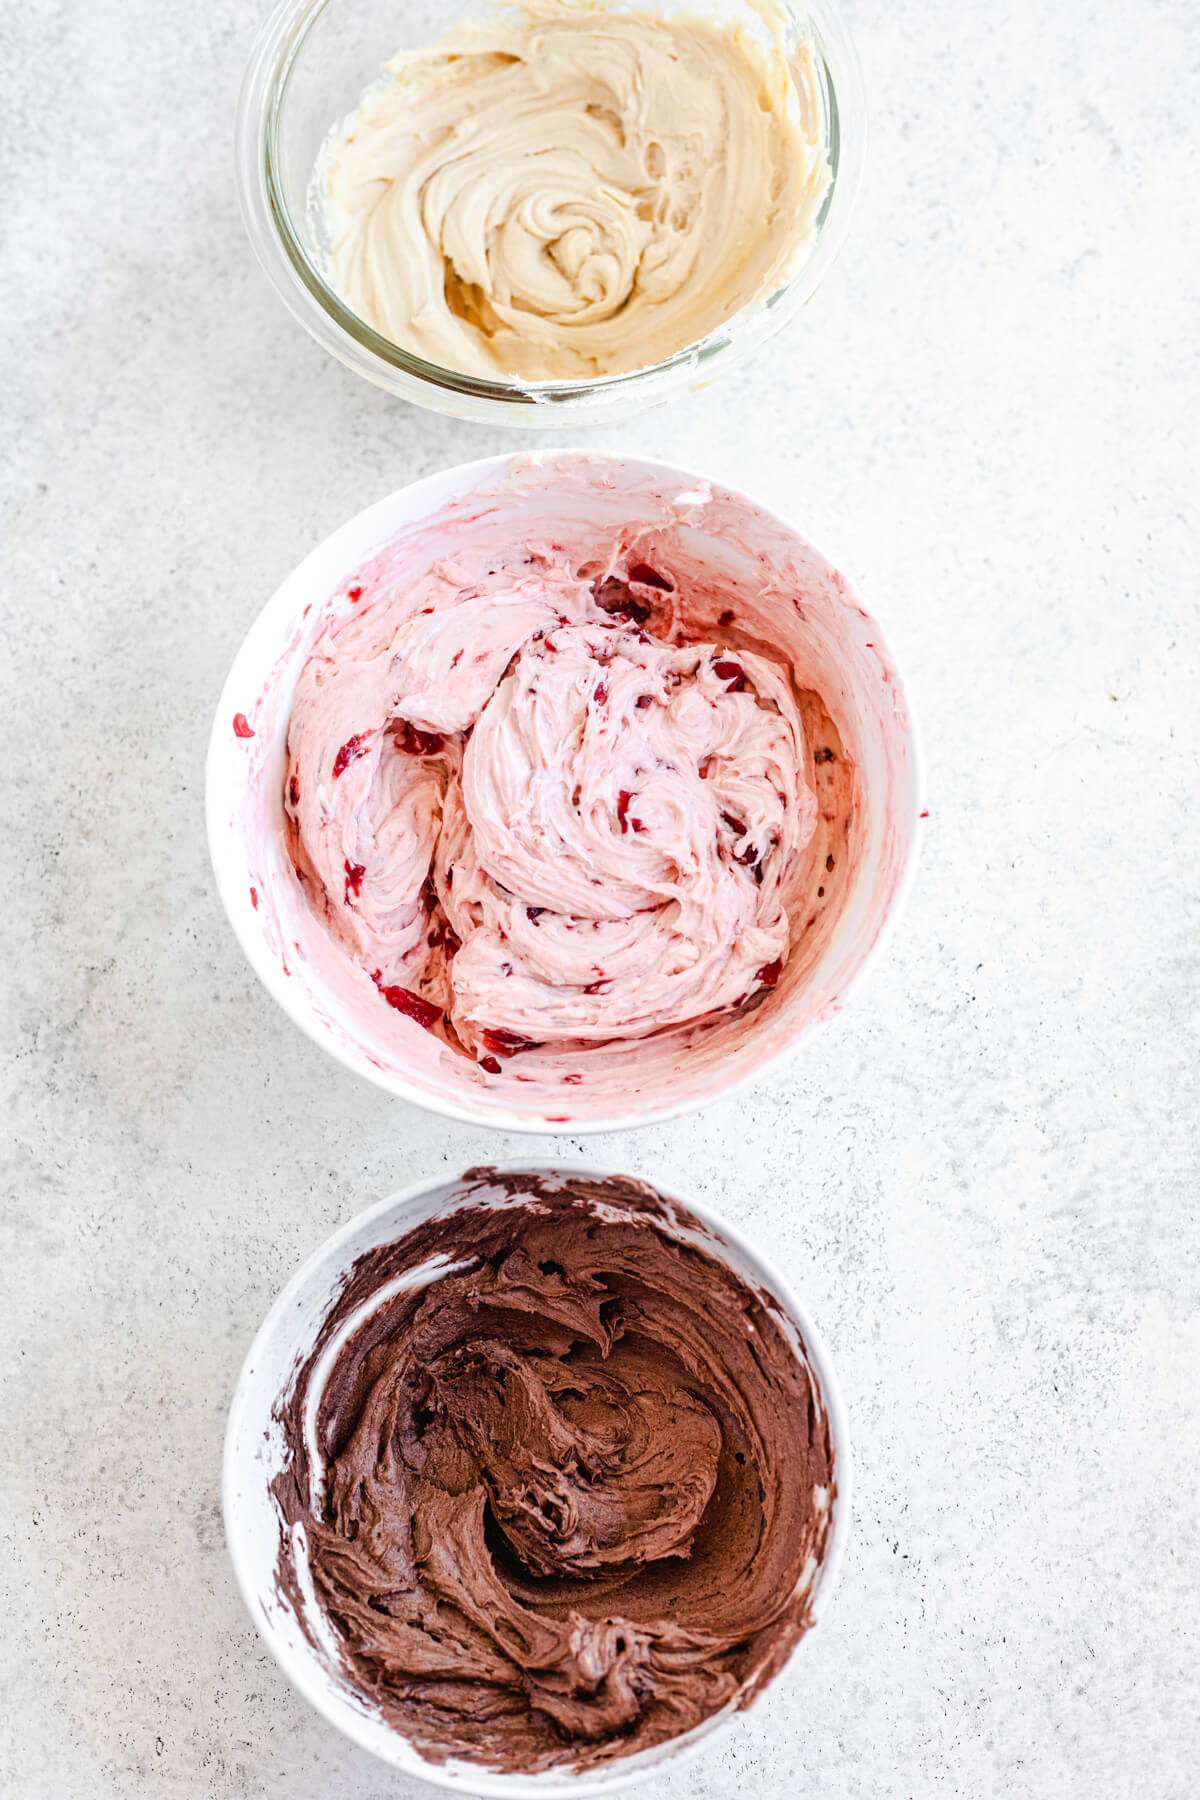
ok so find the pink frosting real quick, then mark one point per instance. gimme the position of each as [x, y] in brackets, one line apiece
[744, 580]
[549, 801]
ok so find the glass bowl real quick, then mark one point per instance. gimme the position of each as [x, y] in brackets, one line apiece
[309, 69]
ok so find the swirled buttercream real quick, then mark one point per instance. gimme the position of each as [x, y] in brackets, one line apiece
[543, 804]
[566, 1500]
[568, 191]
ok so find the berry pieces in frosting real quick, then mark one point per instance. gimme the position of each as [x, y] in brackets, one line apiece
[542, 803]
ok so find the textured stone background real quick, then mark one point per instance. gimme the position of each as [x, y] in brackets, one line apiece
[982, 1178]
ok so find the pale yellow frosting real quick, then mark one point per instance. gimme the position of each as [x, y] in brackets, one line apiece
[570, 190]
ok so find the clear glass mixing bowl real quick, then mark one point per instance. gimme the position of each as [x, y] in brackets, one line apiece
[312, 63]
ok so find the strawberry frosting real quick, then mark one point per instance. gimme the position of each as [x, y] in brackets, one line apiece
[551, 802]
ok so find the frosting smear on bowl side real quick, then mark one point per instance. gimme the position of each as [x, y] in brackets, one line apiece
[565, 1501]
[567, 191]
[545, 802]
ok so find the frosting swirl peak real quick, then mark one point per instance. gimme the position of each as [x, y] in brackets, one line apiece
[577, 190]
[568, 1499]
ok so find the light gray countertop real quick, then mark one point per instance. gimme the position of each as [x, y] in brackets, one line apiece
[982, 1178]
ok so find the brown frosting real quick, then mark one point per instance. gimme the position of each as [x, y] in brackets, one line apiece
[571, 1497]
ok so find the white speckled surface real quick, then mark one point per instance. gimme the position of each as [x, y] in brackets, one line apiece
[982, 1178]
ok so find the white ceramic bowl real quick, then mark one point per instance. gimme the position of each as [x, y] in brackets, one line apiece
[815, 617]
[254, 1454]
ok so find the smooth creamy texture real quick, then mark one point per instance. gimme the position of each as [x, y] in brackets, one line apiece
[577, 191]
[567, 1501]
[749, 582]
[539, 811]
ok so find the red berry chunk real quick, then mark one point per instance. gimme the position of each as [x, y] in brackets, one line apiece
[506, 1043]
[623, 800]
[350, 751]
[415, 741]
[408, 1003]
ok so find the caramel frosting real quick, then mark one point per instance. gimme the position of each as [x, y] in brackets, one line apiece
[568, 190]
[558, 1483]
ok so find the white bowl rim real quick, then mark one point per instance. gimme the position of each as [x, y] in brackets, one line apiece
[492, 1784]
[465, 477]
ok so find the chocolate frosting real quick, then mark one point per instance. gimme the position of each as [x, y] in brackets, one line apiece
[567, 1499]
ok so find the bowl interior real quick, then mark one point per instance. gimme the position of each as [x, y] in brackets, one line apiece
[784, 592]
[315, 62]
[254, 1454]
